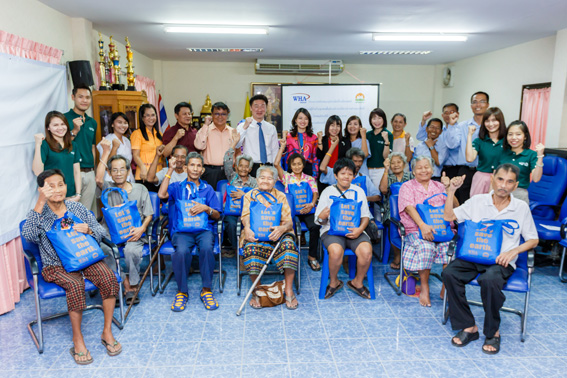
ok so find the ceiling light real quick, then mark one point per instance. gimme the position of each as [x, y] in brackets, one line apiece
[396, 52]
[215, 49]
[419, 37]
[216, 29]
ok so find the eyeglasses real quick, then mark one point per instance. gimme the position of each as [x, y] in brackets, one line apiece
[220, 114]
[119, 170]
[479, 102]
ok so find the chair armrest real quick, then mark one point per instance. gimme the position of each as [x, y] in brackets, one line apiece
[531, 260]
[162, 225]
[454, 240]
[399, 225]
[112, 246]
[238, 228]
[297, 225]
[563, 229]
[33, 262]
[534, 205]
[219, 226]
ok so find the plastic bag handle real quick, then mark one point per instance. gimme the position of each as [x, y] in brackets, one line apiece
[267, 196]
[426, 201]
[106, 193]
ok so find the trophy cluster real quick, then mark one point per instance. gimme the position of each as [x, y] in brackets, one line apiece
[109, 66]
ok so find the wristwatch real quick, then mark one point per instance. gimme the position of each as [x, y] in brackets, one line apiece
[431, 148]
[321, 221]
[211, 212]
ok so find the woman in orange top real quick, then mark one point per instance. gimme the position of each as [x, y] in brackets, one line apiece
[144, 142]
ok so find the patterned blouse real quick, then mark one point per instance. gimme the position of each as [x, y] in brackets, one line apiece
[233, 177]
[290, 178]
[37, 225]
[413, 193]
[307, 148]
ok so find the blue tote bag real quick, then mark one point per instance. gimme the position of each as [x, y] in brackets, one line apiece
[75, 249]
[184, 222]
[234, 206]
[263, 217]
[360, 181]
[345, 214]
[433, 216]
[120, 219]
[481, 242]
[302, 195]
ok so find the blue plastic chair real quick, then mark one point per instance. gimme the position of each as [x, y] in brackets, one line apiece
[563, 243]
[352, 272]
[167, 249]
[519, 282]
[546, 194]
[43, 290]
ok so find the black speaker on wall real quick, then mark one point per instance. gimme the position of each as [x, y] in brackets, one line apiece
[81, 72]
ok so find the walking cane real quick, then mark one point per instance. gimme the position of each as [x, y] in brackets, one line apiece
[262, 272]
[152, 261]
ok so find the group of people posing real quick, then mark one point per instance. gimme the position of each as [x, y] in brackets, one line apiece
[460, 159]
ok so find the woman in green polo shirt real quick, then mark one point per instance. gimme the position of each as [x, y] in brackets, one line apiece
[488, 148]
[56, 150]
[516, 151]
[381, 140]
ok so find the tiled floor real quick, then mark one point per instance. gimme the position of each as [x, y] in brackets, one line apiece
[345, 336]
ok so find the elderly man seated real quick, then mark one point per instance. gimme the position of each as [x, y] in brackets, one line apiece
[119, 168]
[51, 206]
[177, 170]
[356, 240]
[256, 253]
[498, 204]
[183, 242]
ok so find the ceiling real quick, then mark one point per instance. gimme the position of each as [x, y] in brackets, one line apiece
[315, 29]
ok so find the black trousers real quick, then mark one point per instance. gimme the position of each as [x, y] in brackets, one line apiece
[463, 193]
[213, 174]
[309, 220]
[491, 280]
[149, 185]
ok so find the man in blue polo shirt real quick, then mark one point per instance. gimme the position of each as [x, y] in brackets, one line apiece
[184, 242]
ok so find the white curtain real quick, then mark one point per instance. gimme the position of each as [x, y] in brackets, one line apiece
[29, 89]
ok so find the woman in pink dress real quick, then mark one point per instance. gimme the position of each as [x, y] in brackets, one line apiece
[302, 140]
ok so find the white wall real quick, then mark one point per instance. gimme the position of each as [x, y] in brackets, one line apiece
[405, 89]
[501, 74]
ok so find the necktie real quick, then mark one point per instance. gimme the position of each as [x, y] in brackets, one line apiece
[263, 154]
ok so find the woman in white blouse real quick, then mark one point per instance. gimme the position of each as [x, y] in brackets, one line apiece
[120, 127]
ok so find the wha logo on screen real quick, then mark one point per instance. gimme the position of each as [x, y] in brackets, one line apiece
[300, 97]
[359, 97]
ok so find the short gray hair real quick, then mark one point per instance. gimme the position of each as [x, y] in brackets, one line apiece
[400, 155]
[355, 151]
[420, 158]
[194, 155]
[248, 158]
[267, 168]
[118, 157]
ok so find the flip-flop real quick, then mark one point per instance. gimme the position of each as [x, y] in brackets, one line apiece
[258, 305]
[80, 354]
[288, 302]
[130, 296]
[465, 337]
[493, 341]
[395, 266]
[106, 345]
[362, 291]
[314, 265]
[330, 291]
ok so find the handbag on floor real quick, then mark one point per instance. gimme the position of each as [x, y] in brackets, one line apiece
[75, 249]
[433, 216]
[184, 221]
[481, 242]
[270, 295]
[409, 283]
[264, 217]
[120, 219]
[345, 213]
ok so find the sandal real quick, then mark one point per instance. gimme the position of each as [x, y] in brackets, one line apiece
[330, 291]
[80, 354]
[113, 345]
[288, 302]
[395, 266]
[257, 306]
[465, 337]
[493, 341]
[129, 296]
[363, 291]
[314, 265]
[179, 302]
[209, 301]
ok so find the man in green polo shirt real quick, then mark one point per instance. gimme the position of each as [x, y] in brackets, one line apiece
[83, 130]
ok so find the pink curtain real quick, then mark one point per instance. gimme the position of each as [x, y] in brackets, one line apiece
[535, 105]
[25, 48]
[12, 274]
[148, 85]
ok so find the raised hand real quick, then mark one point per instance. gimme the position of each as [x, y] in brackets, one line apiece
[115, 143]
[540, 148]
[407, 136]
[445, 180]
[106, 145]
[39, 138]
[78, 123]
[172, 163]
[179, 134]
[453, 118]
[472, 130]
[457, 182]
[45, 193]
[426, 115]
[387, 164]
[248, 121]
[160, 150]
[235, 137]
[320, 135]
[363, 132]
[384, 135]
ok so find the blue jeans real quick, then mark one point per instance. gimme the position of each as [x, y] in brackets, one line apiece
[230, 230]
[181, 258]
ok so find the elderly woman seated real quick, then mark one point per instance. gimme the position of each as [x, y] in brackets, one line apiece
[420, 252]
[237, 168]
[256, 253]
[50, 206]
[396, 163]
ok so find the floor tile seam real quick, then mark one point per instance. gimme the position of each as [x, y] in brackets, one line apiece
[286, 347]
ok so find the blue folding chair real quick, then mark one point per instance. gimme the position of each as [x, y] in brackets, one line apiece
[563, 243]
[546, 194]
[519, 282]
[43, 290]
[167, 250]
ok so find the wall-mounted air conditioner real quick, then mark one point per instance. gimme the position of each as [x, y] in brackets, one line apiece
[304, 67]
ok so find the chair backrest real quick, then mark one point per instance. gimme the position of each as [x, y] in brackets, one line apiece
[550, 188]
[221, 187]
[291, 204]
[395, 237]
[219, 197]
[156, 204]
[280, 186]
[31, 249]
[395, 188]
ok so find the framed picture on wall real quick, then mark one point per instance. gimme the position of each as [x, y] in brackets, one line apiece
[273, 91]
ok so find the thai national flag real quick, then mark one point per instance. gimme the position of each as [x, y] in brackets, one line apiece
[164, 125]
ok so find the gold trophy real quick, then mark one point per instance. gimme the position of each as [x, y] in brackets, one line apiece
[102, 65]
[115, 61]
[130, 67]
[206, 109]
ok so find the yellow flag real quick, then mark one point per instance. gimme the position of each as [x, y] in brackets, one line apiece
[247, 108]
